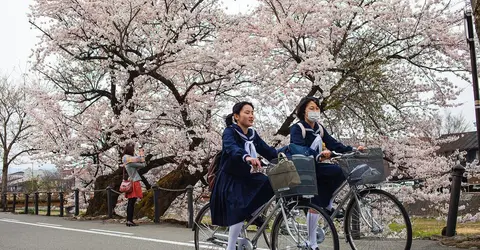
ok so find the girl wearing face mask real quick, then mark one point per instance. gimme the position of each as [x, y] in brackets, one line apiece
[239, 190]
[329, 176]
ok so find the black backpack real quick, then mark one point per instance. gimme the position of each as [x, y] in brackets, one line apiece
[213, 170]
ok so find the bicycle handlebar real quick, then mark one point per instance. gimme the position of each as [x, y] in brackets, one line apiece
[336, 155]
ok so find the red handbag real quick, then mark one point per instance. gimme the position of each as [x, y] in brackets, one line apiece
[127, 185]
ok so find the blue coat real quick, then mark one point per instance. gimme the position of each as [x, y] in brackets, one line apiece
[329, 176]
[238, 193]
[330, 142]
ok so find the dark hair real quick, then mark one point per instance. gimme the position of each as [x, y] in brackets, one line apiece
[303, 105]
[236, 110]
[129, 149]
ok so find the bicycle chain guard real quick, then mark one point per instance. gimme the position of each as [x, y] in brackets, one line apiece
[244, 244]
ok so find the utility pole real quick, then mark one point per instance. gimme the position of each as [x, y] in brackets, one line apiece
[473, 61]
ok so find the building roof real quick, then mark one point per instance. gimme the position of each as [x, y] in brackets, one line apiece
[466, 141]
[19, 172]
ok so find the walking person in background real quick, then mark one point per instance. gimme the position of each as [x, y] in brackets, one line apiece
[132, 163]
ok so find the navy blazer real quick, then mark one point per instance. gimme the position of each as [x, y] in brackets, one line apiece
[310, 135]
[233, 155]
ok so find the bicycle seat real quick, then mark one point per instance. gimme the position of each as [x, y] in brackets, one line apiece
[360, 172]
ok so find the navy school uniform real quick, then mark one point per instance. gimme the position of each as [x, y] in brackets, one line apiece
[237, 192]
[329, 176]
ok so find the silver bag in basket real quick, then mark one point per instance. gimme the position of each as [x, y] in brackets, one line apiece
[366, 168]
[284, 175]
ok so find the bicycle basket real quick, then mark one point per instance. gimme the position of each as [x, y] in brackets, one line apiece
[306, 170]
[365, 168]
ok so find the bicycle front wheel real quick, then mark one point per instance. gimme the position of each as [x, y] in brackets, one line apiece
[206, 235]
[306, 226]
[377, 221]
[209, 236]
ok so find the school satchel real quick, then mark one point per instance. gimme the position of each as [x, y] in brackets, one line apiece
[213, 170]
[283, 175]
[127, 185]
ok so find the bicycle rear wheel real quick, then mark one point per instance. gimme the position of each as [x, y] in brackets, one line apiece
[209, 236]
[377, 221]
[294, 232]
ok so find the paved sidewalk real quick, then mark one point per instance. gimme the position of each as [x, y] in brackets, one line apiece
[18, 232]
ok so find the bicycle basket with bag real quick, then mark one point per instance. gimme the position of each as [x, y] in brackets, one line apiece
[293, 177]
[365, 168]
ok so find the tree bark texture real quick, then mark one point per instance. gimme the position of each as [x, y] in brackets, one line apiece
[179, 178]
[98, 204]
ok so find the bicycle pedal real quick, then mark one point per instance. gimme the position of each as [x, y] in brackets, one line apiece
[211, 239]
[244, 244]
[320, 236]
[339, 219]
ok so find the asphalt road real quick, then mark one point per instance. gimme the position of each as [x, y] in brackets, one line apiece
[22, 232]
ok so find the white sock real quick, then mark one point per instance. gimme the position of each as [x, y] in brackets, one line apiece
[233, 233]
[312, 225]
[330, 205]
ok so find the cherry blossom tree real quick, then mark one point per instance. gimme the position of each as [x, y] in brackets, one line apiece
[133, 70]
[377, 64]
[162, 74]
[383, 69]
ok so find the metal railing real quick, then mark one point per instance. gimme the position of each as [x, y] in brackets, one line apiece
[110, 202]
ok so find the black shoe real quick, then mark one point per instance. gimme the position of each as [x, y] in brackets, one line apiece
[258, 221]
[130, 224]
[339, 215]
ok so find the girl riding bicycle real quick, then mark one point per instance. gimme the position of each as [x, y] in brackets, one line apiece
[239, 190]
[308, 137]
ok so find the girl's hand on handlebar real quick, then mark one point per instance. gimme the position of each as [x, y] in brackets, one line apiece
[325, 154]
[254, 162]
[361, 148]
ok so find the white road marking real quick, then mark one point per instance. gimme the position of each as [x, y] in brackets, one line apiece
[102, 233]
[7, 219]
[107, 231]
[47, 224]
[203, 243]
[112, 233]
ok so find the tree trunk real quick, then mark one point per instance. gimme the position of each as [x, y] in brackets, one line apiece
[179, 178]
[4, 180]
[98, 204]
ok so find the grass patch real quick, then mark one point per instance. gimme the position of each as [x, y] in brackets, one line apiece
[396, 227]
[426, 227]
[40, 211]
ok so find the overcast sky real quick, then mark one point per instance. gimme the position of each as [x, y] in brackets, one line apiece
[18, 39]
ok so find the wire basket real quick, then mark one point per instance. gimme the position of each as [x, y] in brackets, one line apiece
[365, 168]
[306, 170]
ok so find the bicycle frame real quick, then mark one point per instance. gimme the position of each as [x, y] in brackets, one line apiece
[345, 199]
[352, 194]
[222, 238]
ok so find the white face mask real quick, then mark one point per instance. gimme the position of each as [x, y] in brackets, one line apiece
[313, 116]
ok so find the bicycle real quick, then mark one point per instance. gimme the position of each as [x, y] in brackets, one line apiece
[362, 227]
[289, 228]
